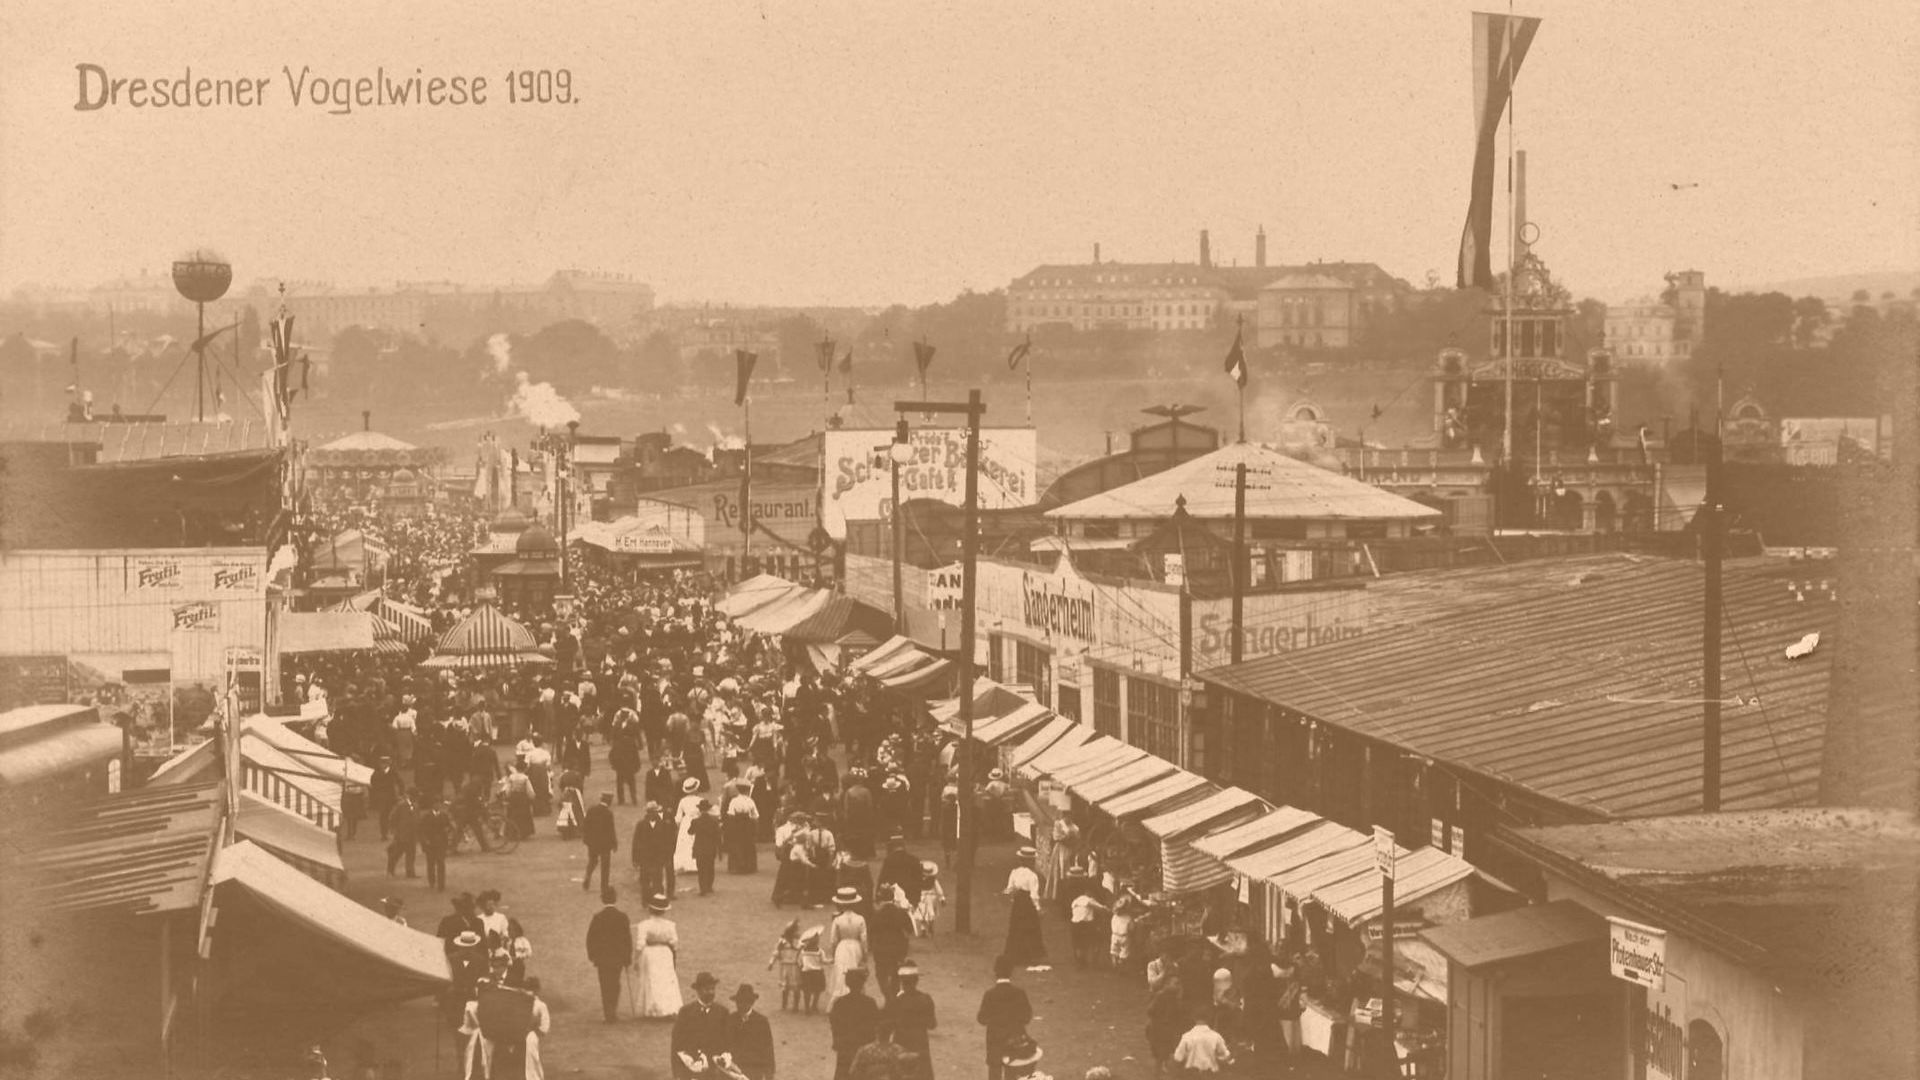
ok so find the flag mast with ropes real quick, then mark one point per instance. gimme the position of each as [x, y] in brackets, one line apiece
[743, 365]
[1023, 352]
[1237, 367]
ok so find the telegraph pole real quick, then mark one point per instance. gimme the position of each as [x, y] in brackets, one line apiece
[973, 407]
[1239, 555]
[1711, 542]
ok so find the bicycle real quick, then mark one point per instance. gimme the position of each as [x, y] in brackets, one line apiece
[497, 838]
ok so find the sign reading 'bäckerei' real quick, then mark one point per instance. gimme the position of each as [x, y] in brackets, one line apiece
[858, 481]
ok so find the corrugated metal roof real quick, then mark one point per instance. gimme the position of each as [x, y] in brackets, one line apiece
[1416, 875]
[1586, 692]
[1801, 841]
[120, 443]
[140, 851]
[1279, 487]
[1258, 833]
[1127, 778]
[1302, 882]
[1512, 934]
[1194, 815]
[1181, 785]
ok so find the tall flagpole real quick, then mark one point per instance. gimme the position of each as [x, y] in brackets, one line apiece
[1028, 357]
[746, 510]
[1506, 441]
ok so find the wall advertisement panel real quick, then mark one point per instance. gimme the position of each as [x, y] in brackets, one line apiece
[857, 483]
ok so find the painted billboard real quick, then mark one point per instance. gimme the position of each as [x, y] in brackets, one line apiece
[857, 483]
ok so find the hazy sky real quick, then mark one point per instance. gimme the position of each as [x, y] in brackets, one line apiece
[894, 151]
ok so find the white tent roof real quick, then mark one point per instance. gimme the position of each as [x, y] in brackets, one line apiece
[1279, 487]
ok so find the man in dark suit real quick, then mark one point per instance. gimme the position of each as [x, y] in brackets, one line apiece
[855, 1021]
[706, 845]
[901, 867]
[405, 823]
[889, 931]
[653, 840]
[910, 1017]
[699, 1030]
[610, 950]
[383, 790]
[598, 832]
[1005, 1012]
[749, 1036]
[660, 785]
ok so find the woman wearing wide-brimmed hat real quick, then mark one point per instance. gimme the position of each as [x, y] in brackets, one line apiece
[846, 940]
[1024, 942]
[683, 816]
[657, 942]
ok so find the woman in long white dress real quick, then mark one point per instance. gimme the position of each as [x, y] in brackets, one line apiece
[845, 942]
[683, 816]
[656, 944]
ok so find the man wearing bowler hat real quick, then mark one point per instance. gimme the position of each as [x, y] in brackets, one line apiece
[699, 1030]
[749, 1036]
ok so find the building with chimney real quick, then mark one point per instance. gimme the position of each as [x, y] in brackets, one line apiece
[1323, 305]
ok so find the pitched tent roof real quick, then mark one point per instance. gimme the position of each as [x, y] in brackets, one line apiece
[1584, 690]
[140, 852]
[305, 846]
[785, 613]
[1282, 488]
[363, 441]
[301, 748]
[486, 632]
[754, 592]
[840, 615]
[284, 940]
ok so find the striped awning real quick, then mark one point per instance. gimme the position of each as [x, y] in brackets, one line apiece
[1183, 869]
[998, 729]
[1176, 823]
[1124, 779]
[1044, 738]
[919, 677]
[1065, 755]
[303, 845]
[1254, 835]
[486, 632]
[265, 770]
[412, 624]
[1316, 841]
[1106, 761]
[1164, 793]
[1416, 875]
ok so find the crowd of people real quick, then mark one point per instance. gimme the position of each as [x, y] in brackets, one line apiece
[724, 745]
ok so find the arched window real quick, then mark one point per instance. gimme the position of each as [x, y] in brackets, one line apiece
[1706, 1054]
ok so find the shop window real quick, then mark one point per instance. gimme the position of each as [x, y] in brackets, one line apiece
[1153, 719]
[1033, 666]
[1101, 530]
[1106, 702]
[1069, 703]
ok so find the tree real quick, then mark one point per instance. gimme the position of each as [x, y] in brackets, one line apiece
[1862, 296]
[1809, 315]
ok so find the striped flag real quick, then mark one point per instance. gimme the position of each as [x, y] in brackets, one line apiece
[1499, 45]
[1237, 362]
[1018, 354]
[743, 361]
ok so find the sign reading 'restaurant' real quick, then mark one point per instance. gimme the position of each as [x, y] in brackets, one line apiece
[1637, 953]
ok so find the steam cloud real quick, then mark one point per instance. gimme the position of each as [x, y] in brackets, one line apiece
[724, 441]
[502, 352]
[540, 403]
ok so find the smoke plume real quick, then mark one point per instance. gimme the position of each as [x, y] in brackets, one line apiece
[540, 403]
[502, 352]
[724, 441]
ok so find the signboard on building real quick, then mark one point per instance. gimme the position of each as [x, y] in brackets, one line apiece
[148, 573]
[236, 576]
[709, 515]
[1383, 850]
[635, 543]
[945, 587]
[1637, 953]
[244, 666]
[1277, 623]
[32, 680]
[857, 483]
[200, 616]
